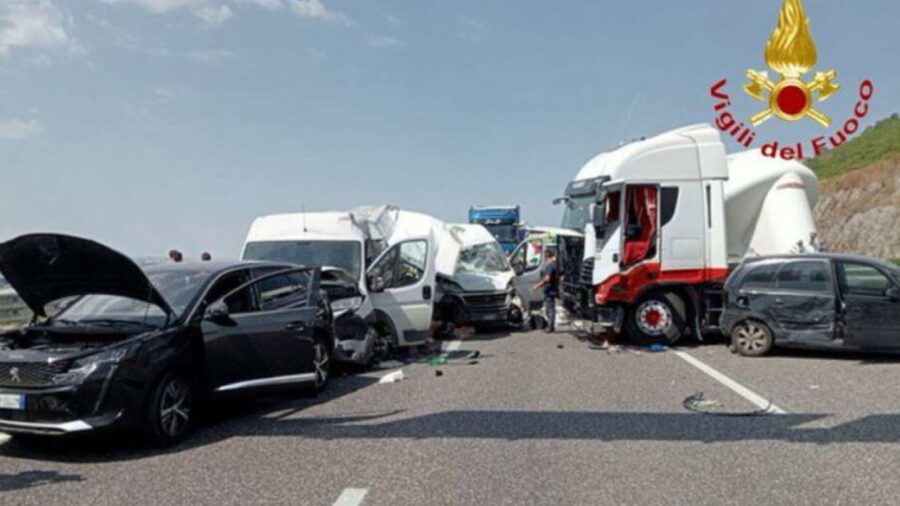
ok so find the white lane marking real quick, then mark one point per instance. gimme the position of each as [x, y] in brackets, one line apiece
[351, 497]
[4, 438]
[746, 393]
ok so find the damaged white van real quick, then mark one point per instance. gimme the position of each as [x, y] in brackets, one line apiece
[390, 254]
[478, 289]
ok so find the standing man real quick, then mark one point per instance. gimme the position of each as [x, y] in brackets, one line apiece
[550, 283]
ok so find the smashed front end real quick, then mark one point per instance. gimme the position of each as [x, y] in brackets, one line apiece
[470, 307]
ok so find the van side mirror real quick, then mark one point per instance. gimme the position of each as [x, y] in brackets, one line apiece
[518, 268]
[892, 293]
[376, 283]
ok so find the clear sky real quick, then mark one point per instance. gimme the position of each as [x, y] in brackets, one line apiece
[153, 124]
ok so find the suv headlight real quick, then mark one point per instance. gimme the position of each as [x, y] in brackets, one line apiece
[84, 367]
[348, 304]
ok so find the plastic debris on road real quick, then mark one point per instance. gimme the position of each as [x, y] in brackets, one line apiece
[438, 361]
[657, 348]
[392, 377]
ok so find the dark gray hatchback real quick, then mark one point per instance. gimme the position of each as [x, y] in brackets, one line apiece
[817, 300]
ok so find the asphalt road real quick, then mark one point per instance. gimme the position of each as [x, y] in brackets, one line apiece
[540, 419]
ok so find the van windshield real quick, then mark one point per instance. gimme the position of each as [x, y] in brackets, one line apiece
[344, 254]
[482, 258]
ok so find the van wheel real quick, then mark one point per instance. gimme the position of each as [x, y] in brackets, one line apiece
[659, 318]
[170, 413]
[751, 338]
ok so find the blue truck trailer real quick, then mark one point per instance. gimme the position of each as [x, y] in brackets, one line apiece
[503, 222]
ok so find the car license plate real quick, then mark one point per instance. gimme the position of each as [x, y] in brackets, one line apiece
[12, 401]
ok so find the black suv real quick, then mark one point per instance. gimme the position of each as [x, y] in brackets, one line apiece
[816, 300]
[145, 347]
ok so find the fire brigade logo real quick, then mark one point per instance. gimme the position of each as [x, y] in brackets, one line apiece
[791, 52]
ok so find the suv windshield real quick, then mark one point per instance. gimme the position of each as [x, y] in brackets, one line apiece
[343, 254]
[178, 287]
[482, 258]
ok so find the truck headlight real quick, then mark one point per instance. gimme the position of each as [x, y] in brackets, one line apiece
[348, 304]
[84, 367]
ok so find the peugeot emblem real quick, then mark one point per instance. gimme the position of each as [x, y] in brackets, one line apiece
[14, 375]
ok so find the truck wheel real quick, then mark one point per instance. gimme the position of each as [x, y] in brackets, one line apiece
[751, 338]
[658, 318]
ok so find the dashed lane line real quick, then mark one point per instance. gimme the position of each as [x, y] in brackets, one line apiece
[351, 497]
[756, 399]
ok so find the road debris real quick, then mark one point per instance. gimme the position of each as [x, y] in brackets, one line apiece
[697, 403]
[392, 377]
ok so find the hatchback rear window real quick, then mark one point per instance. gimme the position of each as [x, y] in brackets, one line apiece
[762, 276]
[806, 276]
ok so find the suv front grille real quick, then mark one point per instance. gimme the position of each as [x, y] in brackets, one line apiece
[29, 375]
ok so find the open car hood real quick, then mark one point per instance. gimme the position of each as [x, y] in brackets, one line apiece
[43, 268]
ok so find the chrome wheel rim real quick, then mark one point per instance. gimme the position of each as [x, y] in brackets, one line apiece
[175, 407]
[751, 337]
[320, 363]
[654, 317]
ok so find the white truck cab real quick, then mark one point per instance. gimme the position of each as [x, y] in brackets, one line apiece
[665, 218]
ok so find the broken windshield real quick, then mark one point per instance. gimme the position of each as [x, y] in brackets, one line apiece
[482, 258]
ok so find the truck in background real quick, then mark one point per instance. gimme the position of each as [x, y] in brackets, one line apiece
[503, 222]
[663, 221]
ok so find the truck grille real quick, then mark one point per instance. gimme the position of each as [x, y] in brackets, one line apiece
[29, 375]
[586, 275]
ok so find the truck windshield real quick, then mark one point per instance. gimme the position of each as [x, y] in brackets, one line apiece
[344, 254]
[503, 233]
[482, 258]
[577, 213]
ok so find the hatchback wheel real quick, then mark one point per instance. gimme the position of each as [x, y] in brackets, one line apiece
[170, 413]
[751, 338]
[321, 364]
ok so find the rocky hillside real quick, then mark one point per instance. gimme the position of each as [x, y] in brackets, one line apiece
[859, 203]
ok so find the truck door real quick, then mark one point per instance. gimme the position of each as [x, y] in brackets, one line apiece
[803, 304]
[641, 224]
[527, 261]
[869, 310]
[401, 286]
[608, 249]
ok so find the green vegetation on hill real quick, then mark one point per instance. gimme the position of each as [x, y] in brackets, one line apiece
[874, 144]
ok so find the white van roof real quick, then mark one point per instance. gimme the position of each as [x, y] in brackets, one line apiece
[328, 225]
